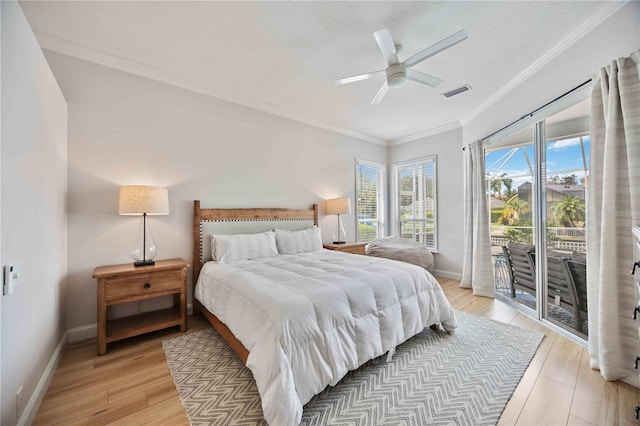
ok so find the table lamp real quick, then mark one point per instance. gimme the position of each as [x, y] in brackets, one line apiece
[146, 201]
[339, 206]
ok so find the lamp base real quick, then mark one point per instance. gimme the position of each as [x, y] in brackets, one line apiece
[144, 263]
[339, 242]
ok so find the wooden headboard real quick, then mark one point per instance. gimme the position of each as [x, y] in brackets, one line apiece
[239, 217]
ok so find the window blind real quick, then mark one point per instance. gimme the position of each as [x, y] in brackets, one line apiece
[416, 201]
[370, 200]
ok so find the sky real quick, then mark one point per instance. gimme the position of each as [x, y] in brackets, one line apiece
[564, 157]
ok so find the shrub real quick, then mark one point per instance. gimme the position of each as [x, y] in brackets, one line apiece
[367, 232]
[495, 215]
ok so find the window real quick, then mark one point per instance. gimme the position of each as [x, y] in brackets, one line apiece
[415, 206]
[370, 182]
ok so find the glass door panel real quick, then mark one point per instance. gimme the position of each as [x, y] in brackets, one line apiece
[510, 170]
[567, 160]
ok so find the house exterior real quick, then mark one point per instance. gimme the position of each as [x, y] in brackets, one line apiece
[555, 194]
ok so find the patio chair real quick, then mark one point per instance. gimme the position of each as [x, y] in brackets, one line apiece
[521, 268]
[561, 288]
[578, 272]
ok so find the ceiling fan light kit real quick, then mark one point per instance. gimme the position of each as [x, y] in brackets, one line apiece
[397, 73]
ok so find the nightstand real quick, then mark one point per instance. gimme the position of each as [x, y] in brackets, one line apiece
[127, 283]
[348, 247]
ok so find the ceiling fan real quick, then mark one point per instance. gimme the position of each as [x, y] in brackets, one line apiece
[398, 72]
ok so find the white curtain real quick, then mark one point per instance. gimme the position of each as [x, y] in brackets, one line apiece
[477, 270]
[613, 205]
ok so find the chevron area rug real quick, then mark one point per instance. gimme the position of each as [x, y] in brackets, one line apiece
[434, 378]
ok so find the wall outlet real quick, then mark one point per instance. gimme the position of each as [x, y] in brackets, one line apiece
[19, 402]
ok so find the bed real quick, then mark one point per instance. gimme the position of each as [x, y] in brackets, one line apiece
[301, 318]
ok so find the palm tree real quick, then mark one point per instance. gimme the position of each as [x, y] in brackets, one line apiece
[496, 186]
[568, 211]
[513, 209]
[508, 184]
[571, 179]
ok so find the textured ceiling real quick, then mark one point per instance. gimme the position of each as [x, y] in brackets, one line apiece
[283, 57]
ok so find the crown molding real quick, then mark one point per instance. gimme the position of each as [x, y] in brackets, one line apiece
[75, 50]
[586, 27]
[423, 134]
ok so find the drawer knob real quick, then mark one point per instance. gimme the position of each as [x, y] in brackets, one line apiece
[635, 363]
[147, 285]
[633, 271]
[637, 412]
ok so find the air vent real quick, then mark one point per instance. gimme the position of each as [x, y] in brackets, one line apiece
[456, 91]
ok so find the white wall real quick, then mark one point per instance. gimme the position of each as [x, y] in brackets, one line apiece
[125, 129]
[447, 147]
[34, 220]
[617, 36]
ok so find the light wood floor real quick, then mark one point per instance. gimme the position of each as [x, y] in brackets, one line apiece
[131, 384]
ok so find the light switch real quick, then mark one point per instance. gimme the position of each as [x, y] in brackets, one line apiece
[11, 273]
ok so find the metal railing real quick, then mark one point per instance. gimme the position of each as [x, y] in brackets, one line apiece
[560, 232]
[567, 238]
[499, 241]
[578, 246]
[568, 232]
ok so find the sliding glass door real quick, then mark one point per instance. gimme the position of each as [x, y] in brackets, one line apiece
[537, 180]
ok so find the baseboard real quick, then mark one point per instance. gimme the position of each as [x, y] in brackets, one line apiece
[447, 274]
[31, 409]
[83, 333]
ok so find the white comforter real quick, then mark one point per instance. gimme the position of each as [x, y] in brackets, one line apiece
[308, 319]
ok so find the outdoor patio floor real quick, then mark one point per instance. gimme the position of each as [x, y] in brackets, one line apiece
[556, 314]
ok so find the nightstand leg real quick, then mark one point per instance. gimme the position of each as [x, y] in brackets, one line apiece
[102, 320]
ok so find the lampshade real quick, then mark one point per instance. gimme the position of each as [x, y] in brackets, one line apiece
[339, 206]
[139, 199]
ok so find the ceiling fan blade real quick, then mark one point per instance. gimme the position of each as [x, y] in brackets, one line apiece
[436, 48]
[383, 91]
[427, 79]
[385, 43]
[359, 77]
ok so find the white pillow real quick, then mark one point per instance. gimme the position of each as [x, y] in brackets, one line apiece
[292, 242]
[231, 248]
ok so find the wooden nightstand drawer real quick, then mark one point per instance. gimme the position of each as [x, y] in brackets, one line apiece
[139, 287]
